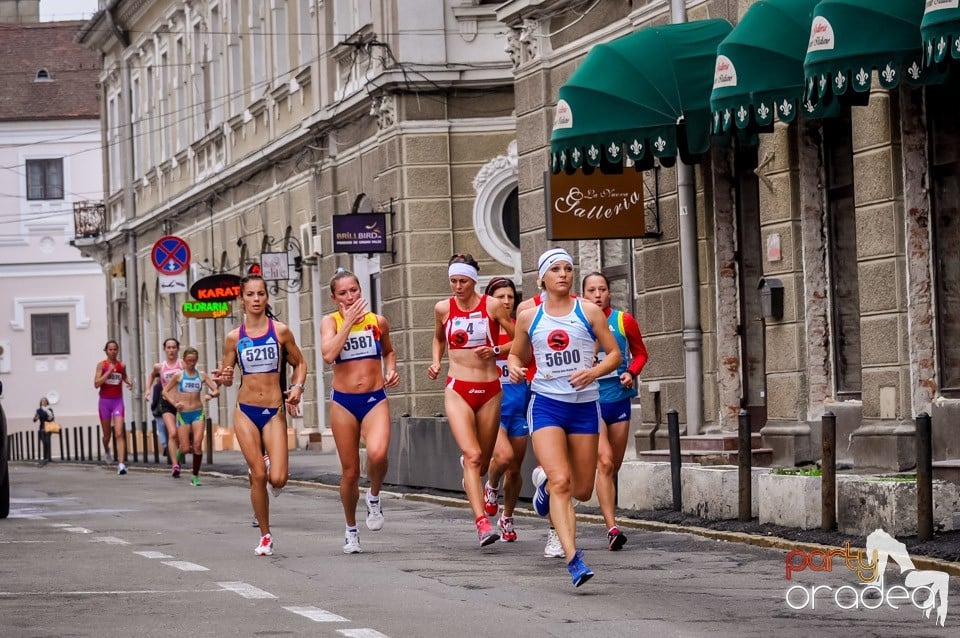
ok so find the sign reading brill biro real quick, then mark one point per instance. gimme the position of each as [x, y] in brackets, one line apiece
[595, 206]
[360, 233]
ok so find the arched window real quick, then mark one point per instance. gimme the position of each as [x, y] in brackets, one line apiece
[496, 210]
[43, 76]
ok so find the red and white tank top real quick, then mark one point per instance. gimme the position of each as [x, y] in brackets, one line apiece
[112, 388]
[470, 328]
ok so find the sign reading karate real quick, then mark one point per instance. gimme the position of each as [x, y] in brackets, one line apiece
[170, 255]
[220, 287]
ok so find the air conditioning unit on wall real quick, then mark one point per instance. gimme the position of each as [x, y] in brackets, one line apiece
[119, 287]
[310, 241]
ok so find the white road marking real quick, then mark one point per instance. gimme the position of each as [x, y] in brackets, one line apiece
[61, 524]
[12, 542]
[78, 530]
[317, 615]
[109, 540]
[246, 590]
[185, 566]
[12, 594]
[100, 510]
[29, 517]
[361, 633]
[16, 501]
[153, 555]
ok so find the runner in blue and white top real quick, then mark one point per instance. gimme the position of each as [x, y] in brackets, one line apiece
[564, 414]
[616, 391]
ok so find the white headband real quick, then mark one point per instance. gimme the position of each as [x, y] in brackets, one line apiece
[466, 270]
[551, 257]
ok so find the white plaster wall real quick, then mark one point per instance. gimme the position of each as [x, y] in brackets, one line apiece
[40, 272]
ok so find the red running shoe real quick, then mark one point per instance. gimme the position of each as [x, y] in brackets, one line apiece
[507, 533]
[490, 500]
[485, 532]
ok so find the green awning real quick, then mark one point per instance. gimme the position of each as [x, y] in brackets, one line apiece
[632, 95]
[759, 68]
[851, 38]
[940, 30]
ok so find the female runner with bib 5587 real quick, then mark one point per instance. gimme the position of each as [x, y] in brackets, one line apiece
[468, 324]
[358, 343]
[259, 421]
[564, 413]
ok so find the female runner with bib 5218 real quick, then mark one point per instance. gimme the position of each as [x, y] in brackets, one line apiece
[564, 412]
[468, 324]
[259, 421]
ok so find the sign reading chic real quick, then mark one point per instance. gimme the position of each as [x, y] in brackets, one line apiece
[595, 206]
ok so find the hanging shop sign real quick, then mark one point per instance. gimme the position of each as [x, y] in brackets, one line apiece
[220, 287]
[205, 309]
[360, 233]
[594, 206]
[274, 266]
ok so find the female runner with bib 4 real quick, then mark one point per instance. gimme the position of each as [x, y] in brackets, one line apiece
[259, 421]
[469, 324]
[358, 343]
[564, 413]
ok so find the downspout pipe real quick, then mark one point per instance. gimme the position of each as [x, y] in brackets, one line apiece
[126, 160]
[690, 276]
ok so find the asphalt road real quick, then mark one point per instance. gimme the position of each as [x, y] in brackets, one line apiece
[88, 553]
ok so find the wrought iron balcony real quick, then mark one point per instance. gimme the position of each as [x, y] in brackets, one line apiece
[89, 219]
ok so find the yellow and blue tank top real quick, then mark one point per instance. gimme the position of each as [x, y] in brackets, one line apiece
[259, 355]
[363, 342]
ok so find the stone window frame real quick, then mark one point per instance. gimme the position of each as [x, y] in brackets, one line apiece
[494, 183]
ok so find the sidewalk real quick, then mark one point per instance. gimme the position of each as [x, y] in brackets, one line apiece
[323, 471]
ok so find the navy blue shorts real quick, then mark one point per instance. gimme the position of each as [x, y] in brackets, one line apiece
[615, 412]
[574, 418]
[258, 414]
[513, 409]
[359, 404]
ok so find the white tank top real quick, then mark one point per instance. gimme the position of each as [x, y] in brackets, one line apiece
[562, 345]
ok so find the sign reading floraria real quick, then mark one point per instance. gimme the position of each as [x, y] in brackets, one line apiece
[206, 309]
[595, 206]
[220, 287]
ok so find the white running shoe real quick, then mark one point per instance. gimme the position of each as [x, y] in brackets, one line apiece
[351, 543]
[265, 548]
[121, 469]
[374, 516]
[276, 491]
[553, 548]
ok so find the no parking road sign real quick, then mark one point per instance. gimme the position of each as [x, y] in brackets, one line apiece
[170, 255]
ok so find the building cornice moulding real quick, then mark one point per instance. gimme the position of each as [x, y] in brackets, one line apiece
[20, 304]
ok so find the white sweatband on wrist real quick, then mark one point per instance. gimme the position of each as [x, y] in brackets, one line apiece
[465, 270]
[551, 257]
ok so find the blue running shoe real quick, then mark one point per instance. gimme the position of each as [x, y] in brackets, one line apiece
[541, 499]
[579, 572]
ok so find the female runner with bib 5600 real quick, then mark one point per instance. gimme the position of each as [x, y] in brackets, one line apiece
[109, 378]
[259, 421]
[467, 325]
[564, 413]
[358, 343]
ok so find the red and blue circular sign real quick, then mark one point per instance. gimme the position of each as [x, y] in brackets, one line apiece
[170, 255]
